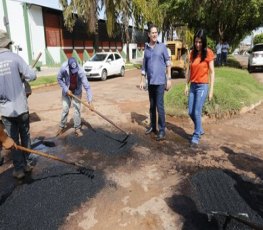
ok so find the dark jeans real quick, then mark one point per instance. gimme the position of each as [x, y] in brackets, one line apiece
[18, 129]
[219, 59]
[156, 93]
[224, 58]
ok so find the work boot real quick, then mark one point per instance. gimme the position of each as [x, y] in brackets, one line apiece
[60, 131]
[18, 174]
[78, 132]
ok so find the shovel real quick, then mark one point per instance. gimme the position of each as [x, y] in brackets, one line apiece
[80, 168]
[104, 117]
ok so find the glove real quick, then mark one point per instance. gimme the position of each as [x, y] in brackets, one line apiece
[69, 93]
[7, 142]
[91, 106]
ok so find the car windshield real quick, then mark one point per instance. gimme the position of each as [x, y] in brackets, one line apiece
[257, 48]
[98, 57]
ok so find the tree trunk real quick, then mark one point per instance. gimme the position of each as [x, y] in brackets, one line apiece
[127, 45]
[96, 37]
[127, 38]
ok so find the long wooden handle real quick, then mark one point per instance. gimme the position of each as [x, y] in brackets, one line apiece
[39, 55]
[46, 155]
[101, 115]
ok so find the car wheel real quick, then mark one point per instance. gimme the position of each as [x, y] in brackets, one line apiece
[103, 75]
[122, 72]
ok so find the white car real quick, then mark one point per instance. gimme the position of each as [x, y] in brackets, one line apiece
[104, 64]
[255, 59]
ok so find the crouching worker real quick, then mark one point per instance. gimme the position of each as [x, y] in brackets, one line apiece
[71, 78]
[13, 102]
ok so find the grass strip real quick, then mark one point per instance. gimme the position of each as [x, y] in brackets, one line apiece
[234, 89]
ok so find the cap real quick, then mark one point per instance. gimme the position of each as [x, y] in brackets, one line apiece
[4, 39]
[73, 65]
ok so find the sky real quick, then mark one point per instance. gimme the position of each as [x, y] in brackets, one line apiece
[53, 4]
[48, 3]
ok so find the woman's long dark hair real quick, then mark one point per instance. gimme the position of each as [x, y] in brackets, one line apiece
[200, 34]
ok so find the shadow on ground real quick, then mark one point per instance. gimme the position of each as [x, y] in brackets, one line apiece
[245, 162]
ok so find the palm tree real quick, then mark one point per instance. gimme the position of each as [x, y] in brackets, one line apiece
[85, 10]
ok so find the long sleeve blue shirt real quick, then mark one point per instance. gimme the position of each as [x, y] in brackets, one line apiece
[64, 81]
[13, 100]
[155, 61]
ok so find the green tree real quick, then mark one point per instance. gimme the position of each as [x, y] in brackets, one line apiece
[231, 20]
[116, 11]
[258, 39]
[84, 10]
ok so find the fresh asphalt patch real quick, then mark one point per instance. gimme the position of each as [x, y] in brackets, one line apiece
[44, 200]
[227, 200]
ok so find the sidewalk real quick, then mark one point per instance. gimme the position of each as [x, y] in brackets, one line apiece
[48, 71]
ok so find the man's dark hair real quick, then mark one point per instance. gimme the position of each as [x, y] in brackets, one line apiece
[150, 26]
[200, 34]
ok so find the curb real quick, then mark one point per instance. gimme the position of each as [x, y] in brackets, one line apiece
[226, 115]
[44, 85]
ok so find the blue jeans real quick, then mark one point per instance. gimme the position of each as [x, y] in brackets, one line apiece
[156, 93]
[197, 97]
[66, 103]
[18, 129]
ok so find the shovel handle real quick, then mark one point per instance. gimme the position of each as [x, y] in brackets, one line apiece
[101, 115]
[46, 155]
[39, 55]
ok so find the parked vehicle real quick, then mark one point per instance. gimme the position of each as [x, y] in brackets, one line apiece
[255, 59]
[179, 57]
[104, 64]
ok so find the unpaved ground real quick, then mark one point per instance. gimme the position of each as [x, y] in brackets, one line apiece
[142, 178]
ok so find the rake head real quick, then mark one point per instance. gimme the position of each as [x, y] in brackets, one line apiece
[125, 139]
[86, 171]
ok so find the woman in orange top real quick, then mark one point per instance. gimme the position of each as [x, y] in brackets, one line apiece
[201, 74]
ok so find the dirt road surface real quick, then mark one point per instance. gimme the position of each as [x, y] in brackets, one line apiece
[142, 185]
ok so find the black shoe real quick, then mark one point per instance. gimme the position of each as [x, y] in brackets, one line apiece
[150, 130]
[160, 136]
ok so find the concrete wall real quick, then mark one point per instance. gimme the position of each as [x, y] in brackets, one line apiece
[2, 26]
[55, 53]
[17, 28]
[132, 50]
[36, 30]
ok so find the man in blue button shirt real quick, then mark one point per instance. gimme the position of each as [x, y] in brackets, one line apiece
[156, 66]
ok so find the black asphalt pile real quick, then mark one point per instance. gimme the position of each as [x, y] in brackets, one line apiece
[223, 195]
[101, 141]
[46, 199]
